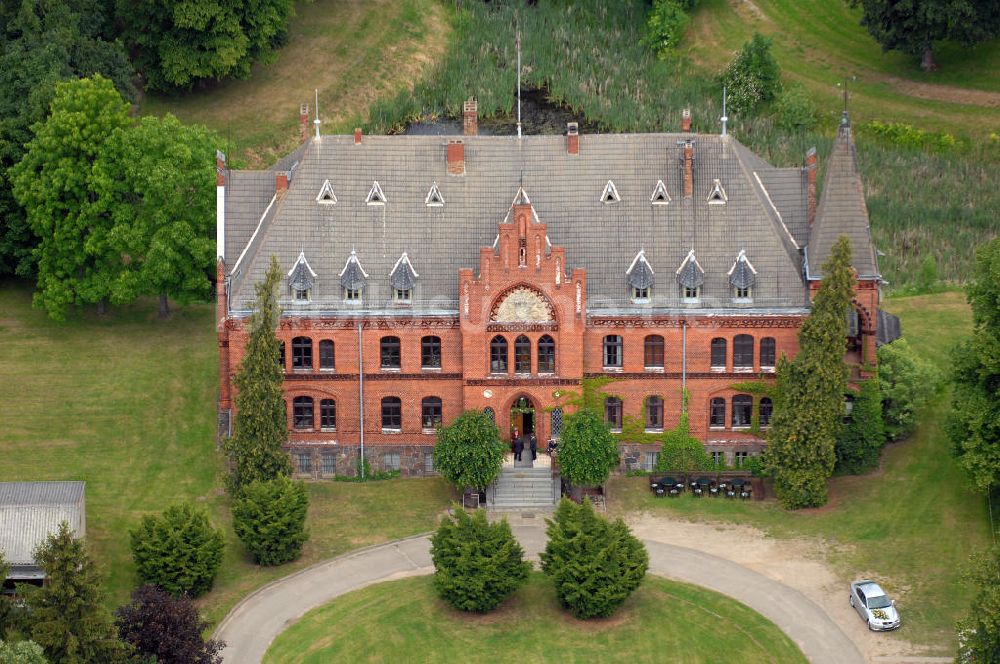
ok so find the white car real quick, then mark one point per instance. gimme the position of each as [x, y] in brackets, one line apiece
[874, 606]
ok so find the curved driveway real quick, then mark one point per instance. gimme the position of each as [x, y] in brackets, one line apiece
[256, 621]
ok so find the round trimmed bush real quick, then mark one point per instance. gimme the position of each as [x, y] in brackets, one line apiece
[178, 550]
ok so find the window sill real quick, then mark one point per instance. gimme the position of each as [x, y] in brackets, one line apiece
[613, 369]
[302, 429]
[742, 369]
[431, 369]
[429, 430]
[391, 431]
[546, 373]
[718, 370]
[522, 374]
[327, 370]
[390, 369]
[498, 374]
[742, 300]
[741, 427]
[767, 369]
[328, 429]
[301, 370]
[722, 428]
[690, 300]
[618, 430]
[660, 430]
[654, 369]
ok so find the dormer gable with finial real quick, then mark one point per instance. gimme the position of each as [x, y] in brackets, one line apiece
[353, 279]
[301, 279]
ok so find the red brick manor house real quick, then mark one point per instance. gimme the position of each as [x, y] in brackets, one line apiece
[427, 275]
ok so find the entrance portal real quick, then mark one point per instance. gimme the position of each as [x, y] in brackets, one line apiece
[522, 417]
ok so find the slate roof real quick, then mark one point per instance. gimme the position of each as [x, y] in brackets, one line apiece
[889, 328]
[30, 511]
[842, 211]
[565, 191]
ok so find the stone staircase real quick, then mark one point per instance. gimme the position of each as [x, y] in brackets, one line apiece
[523, 489]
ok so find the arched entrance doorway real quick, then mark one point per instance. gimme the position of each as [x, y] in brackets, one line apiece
[522, 417]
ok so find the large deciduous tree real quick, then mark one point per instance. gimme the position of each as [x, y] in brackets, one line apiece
[469, 452]
[178, 550]
[68, 616]
[587, 450]
[270, 517]
[477, 564]
[914, 26]
[155, 181]
[974, 422]
[53, 184]
[256, 449]
[166, 628]
[181, 42]
[809, 400]
[979, 632]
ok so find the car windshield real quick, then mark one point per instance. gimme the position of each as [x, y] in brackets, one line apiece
[880, 602]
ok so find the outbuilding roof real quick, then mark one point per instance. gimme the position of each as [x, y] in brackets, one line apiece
[30, 511]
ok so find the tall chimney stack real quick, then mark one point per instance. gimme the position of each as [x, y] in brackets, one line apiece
[280, 182]
[470, 117]
[303, 122]
[811, 185]
[686, 120]
[456, 157]
[572, 138]
[688, 169]
[357, 135]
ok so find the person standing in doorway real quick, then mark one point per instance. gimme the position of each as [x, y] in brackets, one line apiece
[514, 437]
[518, 448]
[533, 442]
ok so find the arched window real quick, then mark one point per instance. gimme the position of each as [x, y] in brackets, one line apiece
[557, 422]
[302, 413]
[612, 350]
[743, 352]
[490, 413]
[328, 415]
[613, 413]
[546, 354]
[392, 413]
[522, 355]
[498, 355]
[654, 414]
[767, 353]
[430, 352]
[281, 355]
[430, 413]
[717, 416]
[742, 410]
[302, 354]
[326, 355]
[389, 353]
[653, 352]
[766, 411]
[718, 354]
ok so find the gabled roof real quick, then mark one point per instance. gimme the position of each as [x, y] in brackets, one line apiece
[842, 211]
[639, 273]
[403, 276]
[301, 276]
[690, 274]
[30, 511]
[353, 276]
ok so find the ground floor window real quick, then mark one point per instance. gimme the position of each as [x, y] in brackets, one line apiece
[329, 463]
[719, 458]
[390, 461]
[649, 460]
[304, 461]
[428, 462]
[741, 459]
[557, 422]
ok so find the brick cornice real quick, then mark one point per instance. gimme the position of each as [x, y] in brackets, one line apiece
[626, 322]
[676, 375]
[520, 382]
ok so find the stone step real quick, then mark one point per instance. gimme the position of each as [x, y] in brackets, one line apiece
[532, 484]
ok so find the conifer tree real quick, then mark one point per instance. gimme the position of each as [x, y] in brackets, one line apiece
[477, 564]
[257, 446]
[809, 400]
[178, 550]
[595, 564]
[68, 616]
[587, 450]
[270, 520]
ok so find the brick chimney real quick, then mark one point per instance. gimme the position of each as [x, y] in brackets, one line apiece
[456, 157]
[470, 117]
[357, 135]
[686, 120]
[688, 169]
[303, 122]
[572, 138]
[811, 185]
[280, 182]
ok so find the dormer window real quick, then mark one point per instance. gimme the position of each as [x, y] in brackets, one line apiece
[660, 195]
[692, 294]
[353, 279]
[718, 195]
[301, 280]
[742, 277]
[690, 277]
[401, 295]
[640, 278]
[742, 293]
[403, 280]
[301, 295]
[434, 197]
[375, 195]
[352, 295]
[610, 194]
[326, 195]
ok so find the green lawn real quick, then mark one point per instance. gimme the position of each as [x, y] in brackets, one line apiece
[912, 524]
[352, 52]
[405, 621]
[127, 404]
[819, 42]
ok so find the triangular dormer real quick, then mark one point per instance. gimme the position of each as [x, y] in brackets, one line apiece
[326, 195]
[375, 195]
[718, 195]
[610, 194]
[690, 274]
[301, 278]
[353, 278]
[403, 277]
[660, 195]
[434, 197]
[742, 274]
[640, 272]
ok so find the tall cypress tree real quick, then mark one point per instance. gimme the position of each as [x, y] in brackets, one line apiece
[809, 401]
[256, 448]
[68, 616]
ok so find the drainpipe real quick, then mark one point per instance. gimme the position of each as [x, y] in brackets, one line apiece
[684, 362]
[361, 401]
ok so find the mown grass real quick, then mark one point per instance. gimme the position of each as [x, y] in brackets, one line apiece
[127, 404]
[662, 621]
[912, 524]
[352, 52]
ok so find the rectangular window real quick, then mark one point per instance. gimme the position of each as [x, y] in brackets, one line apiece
[401, 295]
[329, 463]
[741, 458]
[691, 294]
[640, 295]
[305, 463]
[428, 462]
[390, 461]
[301, 295]
[649, 460]
[653, 352]
[612, 351]
[613, 413]
[430, 353]
[326, 355]
[742, 293]
[352, 294]
[719, 459]
[328, 415]
[654, 414]
[392, 414]
[389, 353]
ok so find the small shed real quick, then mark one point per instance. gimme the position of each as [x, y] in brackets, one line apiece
[30, 512]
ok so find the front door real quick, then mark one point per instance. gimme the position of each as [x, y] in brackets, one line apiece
[522, 417]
